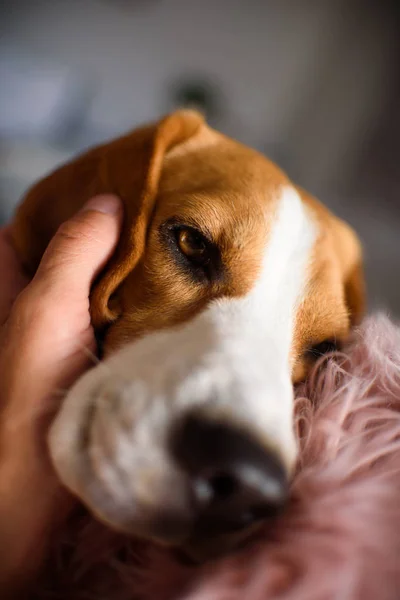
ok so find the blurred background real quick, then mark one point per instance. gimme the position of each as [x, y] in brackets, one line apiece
[315, 84]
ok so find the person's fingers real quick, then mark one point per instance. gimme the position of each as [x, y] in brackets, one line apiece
[11, 275]
[57, 297]
[80, 248]
[48, 335]
[40, 357]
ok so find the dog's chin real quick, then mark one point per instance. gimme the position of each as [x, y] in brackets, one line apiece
[199, 551]
[200, 546]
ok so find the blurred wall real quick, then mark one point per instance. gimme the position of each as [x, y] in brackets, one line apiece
[306, 81]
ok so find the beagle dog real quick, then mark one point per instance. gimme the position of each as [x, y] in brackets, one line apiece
[227, 283]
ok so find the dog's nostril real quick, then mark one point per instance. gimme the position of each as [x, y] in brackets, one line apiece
[234, 479]
[222, 492]
[216, 487]
[223, 485]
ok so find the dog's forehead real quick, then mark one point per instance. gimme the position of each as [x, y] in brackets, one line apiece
[210, 162]
[224, 186]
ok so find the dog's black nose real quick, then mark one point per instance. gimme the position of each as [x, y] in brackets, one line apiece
[234, 479]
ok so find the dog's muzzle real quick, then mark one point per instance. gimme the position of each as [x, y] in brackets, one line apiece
[184, 437]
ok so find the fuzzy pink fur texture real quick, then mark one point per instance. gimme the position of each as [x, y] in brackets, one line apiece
[339, 538]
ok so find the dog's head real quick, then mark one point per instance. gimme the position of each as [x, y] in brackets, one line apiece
[227, 283]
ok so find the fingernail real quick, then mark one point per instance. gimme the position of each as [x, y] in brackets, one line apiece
[107, 204]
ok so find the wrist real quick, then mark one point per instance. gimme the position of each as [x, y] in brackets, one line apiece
[32, 508]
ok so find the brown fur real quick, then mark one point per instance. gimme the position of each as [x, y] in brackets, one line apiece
[180, 168]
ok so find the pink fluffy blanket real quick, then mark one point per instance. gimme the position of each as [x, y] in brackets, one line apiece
[340, 535]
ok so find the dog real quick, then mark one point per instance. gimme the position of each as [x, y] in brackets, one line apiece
[228, 282]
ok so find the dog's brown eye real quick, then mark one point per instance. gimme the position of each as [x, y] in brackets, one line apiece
[322, 348]
[192, 245]
[195, 253]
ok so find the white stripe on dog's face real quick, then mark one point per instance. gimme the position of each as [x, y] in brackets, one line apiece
[231, 361]
[253, 335]
[264, 318]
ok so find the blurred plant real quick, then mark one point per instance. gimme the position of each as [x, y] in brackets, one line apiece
[200, 94]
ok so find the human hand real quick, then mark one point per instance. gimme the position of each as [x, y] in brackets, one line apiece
[46, 343]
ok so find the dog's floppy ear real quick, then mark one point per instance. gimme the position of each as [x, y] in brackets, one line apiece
[348, 250]
[129, 167]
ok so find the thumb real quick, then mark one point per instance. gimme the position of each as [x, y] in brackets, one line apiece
[80, 248]
[50, 321]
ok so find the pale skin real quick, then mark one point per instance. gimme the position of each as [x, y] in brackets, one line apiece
[46, 343]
